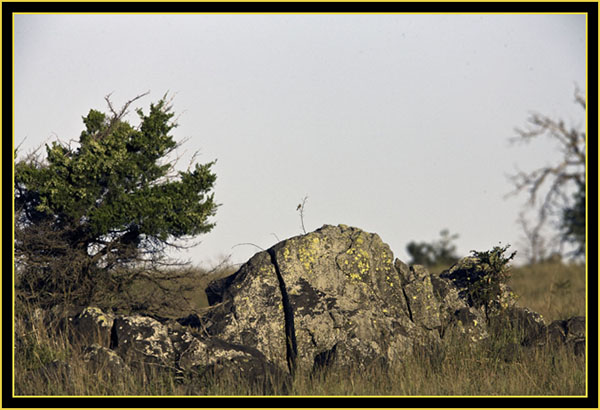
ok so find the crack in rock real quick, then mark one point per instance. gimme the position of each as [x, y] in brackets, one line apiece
[288, 311]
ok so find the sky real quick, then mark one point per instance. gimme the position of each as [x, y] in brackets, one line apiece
[394, 123]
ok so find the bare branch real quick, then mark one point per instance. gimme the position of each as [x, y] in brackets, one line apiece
[300, 208]
[247, 243]
[579, 97]
[119, 114]
[552, 182]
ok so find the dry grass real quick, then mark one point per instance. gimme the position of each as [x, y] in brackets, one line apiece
[555, 290]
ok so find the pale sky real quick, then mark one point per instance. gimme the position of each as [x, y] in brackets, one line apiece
[394, 123]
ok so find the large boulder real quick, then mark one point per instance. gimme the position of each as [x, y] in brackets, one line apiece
[250, 311]
[333, 298]
[345, 298]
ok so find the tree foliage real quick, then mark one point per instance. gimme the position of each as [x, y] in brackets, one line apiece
[113, 201]
[555, 183]
[436, 253]
[487, 276]
[572, 222]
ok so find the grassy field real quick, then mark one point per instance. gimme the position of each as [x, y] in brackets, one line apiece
[555, 290]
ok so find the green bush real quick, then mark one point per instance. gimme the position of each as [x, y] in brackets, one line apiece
[487, 276]
[113, 202]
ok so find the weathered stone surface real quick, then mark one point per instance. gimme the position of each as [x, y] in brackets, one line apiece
[250, 311]
[423, 306]
[570, 332]
[449, 301]
[142, 339]
[333, 298]
[215, 289]
[91, 326]
[471, 323]
[457, 316]
[346, 298]
[213, 360]
[529, 326]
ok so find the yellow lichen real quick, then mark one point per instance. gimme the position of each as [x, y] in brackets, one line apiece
[307, 253]
[355, 276]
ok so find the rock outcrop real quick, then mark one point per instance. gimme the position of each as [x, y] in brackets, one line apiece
[329, 297]
[333, 298]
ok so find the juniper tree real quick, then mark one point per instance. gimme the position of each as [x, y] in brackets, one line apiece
[113, 201]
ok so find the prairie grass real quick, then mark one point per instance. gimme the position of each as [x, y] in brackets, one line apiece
[47, 364]
[553, 289]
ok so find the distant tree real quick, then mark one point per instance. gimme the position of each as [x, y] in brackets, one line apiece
[444, 249]
[84, 213]
[440, 252]
[573, 221]
[556, 182]
[534, 244]
[420, 253]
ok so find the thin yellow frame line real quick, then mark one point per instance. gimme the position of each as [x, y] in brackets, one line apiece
[13, 206]
[587, 342]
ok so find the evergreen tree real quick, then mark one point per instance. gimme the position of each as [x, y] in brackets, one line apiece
[113, 201]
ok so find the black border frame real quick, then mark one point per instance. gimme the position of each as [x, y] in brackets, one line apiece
[591, 401]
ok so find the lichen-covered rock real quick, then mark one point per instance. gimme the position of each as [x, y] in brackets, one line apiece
[449, 301]
[569, 332]
[92, 326]
[528, 325]
[142, 339]
[208, 360]
[471, 323]
[457, 317]
[330, 297]
[333, 298]
[346, 297]
[250, 311]
[423, 306]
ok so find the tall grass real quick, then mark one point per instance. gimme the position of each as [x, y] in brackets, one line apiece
[47, 363]
[553, 289]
